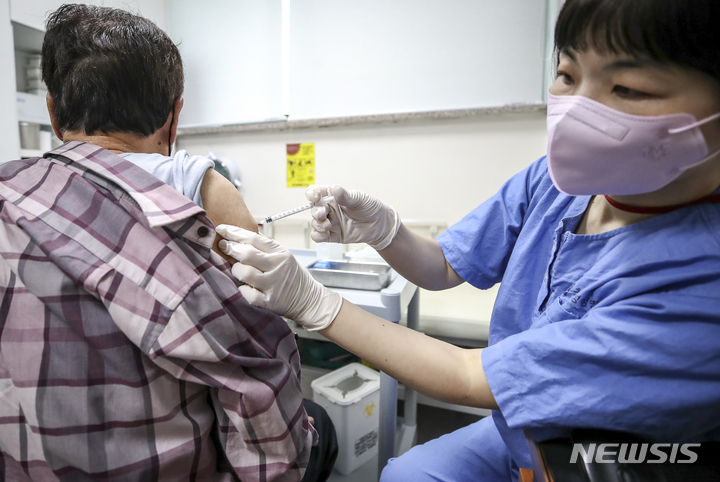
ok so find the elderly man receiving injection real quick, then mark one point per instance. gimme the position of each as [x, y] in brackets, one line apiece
[127, 352]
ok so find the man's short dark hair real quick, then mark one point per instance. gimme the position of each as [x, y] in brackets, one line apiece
[108, 70]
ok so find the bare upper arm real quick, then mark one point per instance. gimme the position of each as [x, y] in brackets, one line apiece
[224, 205]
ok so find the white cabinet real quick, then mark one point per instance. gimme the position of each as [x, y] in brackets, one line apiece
[383, 57]
[35, 132]
[9, 140]
[231, 51]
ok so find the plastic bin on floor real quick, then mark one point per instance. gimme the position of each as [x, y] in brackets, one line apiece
[351, 397]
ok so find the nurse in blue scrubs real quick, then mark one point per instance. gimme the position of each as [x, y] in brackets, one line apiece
[607, 248]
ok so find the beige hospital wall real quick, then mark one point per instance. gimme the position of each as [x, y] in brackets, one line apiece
[435, 171]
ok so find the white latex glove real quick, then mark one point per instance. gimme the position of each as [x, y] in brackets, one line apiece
[274, 279]
[353, 217]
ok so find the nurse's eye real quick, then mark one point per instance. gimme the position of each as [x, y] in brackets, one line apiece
[565, 78]
[628, 93]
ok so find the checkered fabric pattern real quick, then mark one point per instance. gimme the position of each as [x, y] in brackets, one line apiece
[126, 351]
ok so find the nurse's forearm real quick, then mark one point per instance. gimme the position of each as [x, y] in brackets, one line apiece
[420, 260]
[432, 367]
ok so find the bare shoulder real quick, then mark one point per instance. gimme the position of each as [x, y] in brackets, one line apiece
[224, 205]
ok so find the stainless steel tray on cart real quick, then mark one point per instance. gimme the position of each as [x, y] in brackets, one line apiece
[353, 275]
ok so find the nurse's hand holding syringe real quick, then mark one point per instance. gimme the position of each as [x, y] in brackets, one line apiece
[356, 217]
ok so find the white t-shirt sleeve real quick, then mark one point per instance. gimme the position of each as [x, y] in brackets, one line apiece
[183, 172]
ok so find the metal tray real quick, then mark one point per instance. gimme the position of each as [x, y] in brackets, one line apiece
[347, 274]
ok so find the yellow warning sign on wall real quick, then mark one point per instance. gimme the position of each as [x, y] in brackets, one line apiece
[300, 165]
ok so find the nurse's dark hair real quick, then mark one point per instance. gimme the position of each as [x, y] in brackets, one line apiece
[109, 70]
[684, 32]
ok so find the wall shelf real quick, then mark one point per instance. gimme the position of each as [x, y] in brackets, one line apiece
[27, 153]
[289, 124]
[32, 108]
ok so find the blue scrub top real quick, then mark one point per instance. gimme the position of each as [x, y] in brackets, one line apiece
[618, 330]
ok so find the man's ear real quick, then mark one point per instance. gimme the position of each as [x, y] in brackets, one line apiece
[53, 119]
[179, 102]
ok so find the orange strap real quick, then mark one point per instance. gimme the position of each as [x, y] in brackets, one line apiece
[526, 475]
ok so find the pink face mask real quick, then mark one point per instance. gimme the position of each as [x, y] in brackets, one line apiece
[594, 149]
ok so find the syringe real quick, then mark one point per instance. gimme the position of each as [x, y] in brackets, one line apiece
[298, 209]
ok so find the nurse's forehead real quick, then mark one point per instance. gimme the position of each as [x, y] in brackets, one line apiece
[610, 61]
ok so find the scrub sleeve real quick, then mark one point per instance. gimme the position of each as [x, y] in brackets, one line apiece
[482, 246]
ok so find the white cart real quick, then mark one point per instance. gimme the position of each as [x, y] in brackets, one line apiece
[389, 304]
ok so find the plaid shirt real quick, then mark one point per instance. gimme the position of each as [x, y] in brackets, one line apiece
[126, 351]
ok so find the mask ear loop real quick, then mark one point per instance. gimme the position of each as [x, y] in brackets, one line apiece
[677, 130]
[172, 119]
[691, 126]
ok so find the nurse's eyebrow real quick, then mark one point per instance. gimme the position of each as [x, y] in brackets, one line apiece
[625, 64]
[568, 53]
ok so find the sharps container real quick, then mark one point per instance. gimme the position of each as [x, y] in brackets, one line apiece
[351, 397]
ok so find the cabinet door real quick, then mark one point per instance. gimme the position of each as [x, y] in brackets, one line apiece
[355, 58]
[232, 52]
[9, 141]
[377, 56]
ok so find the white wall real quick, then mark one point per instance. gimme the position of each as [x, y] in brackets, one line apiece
[436, 170]
[428, 170]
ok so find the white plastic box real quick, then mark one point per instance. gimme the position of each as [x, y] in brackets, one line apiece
[351, 397]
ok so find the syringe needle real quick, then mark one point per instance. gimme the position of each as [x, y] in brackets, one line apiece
[298, 209]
